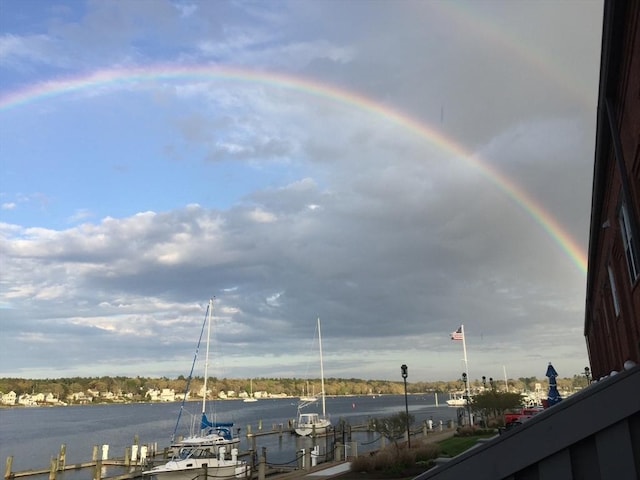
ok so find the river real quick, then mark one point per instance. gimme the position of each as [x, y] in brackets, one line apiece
[33, 435]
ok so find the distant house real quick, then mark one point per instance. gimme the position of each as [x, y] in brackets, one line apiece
[153, 394]
[167, 395]
[9, 398]
[201, 392]
[50, 398]
[38, 397]
[27, 400]
[80, 397]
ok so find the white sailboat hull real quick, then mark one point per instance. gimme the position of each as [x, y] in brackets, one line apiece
[317, 428]
[190, 468]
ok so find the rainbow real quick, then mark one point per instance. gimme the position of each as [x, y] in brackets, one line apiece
[120, 78]
[472, 18]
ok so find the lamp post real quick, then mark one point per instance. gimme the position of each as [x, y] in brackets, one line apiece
[484, 382]
[491, 383]
[403, 369]
[466, 395]
[587, 374]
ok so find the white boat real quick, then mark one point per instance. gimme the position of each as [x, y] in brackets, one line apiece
[207, 446]
[457, 400]
[314, 423]
[213, 438]
[210, 435]
[250, 398]
[308, 398]
[192, 462]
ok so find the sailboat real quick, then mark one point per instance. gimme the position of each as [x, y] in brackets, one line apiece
[314, 423]
[250, 398]
[308, 398]
[208, 447]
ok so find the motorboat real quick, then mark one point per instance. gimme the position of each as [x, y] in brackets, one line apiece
[193, 461]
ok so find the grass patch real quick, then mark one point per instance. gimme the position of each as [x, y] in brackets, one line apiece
[456, 445]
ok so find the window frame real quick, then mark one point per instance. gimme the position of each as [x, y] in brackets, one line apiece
[630, 253]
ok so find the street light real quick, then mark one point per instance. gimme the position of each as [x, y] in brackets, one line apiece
[466, 395]
[403, 369]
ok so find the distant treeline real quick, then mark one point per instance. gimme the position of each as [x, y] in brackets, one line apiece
[136, 388]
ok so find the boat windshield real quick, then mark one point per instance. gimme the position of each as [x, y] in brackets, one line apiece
[185, 453]
[192, 452]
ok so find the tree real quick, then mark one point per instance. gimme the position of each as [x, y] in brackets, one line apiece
[394, 427]
[493, 405]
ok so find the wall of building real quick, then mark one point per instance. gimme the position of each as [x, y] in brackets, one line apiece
[612, 322]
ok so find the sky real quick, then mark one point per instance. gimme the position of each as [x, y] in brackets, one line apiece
[394, 168]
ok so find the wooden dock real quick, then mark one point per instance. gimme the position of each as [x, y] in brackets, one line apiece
[140, 457]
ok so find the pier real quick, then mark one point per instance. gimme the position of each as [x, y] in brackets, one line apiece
[335, 446]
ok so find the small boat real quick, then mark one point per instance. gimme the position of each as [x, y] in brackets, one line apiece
[308, 398]
[192, 461]
[457, 400]
[314, 423]
[250, 398]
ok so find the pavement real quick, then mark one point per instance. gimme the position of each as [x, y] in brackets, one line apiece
[331, 471]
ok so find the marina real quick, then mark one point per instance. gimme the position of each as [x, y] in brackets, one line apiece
[32, 437]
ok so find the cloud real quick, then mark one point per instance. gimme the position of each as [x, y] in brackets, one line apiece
[388, 195]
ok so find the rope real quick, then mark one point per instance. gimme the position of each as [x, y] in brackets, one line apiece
[195, 357]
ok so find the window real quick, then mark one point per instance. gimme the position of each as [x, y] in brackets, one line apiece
[614, 291]
[633, 260]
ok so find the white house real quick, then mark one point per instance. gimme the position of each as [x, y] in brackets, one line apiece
[9, 398]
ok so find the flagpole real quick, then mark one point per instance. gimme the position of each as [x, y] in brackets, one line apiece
[466, 364]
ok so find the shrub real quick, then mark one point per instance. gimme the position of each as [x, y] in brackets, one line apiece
[394, 461]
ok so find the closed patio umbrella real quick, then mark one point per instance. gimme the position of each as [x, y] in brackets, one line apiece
[554, 396]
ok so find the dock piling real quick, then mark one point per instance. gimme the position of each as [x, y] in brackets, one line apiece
[53, 467]
[62, 457]
[262, 466]
[97, 471]
[7, 468]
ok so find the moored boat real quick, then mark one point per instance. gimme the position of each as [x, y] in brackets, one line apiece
[209, 444]
[457, 400]
[313, 423]
[191, 461]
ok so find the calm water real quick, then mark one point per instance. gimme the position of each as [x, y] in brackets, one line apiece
[34, 435]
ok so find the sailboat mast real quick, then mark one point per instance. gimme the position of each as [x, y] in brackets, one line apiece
[206, 359]
[321, 367]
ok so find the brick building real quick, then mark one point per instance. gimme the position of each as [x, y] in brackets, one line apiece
[612, 318]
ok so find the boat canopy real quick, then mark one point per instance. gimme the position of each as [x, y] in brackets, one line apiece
[221, 428]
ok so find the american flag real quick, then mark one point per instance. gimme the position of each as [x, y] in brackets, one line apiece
[457, 335]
